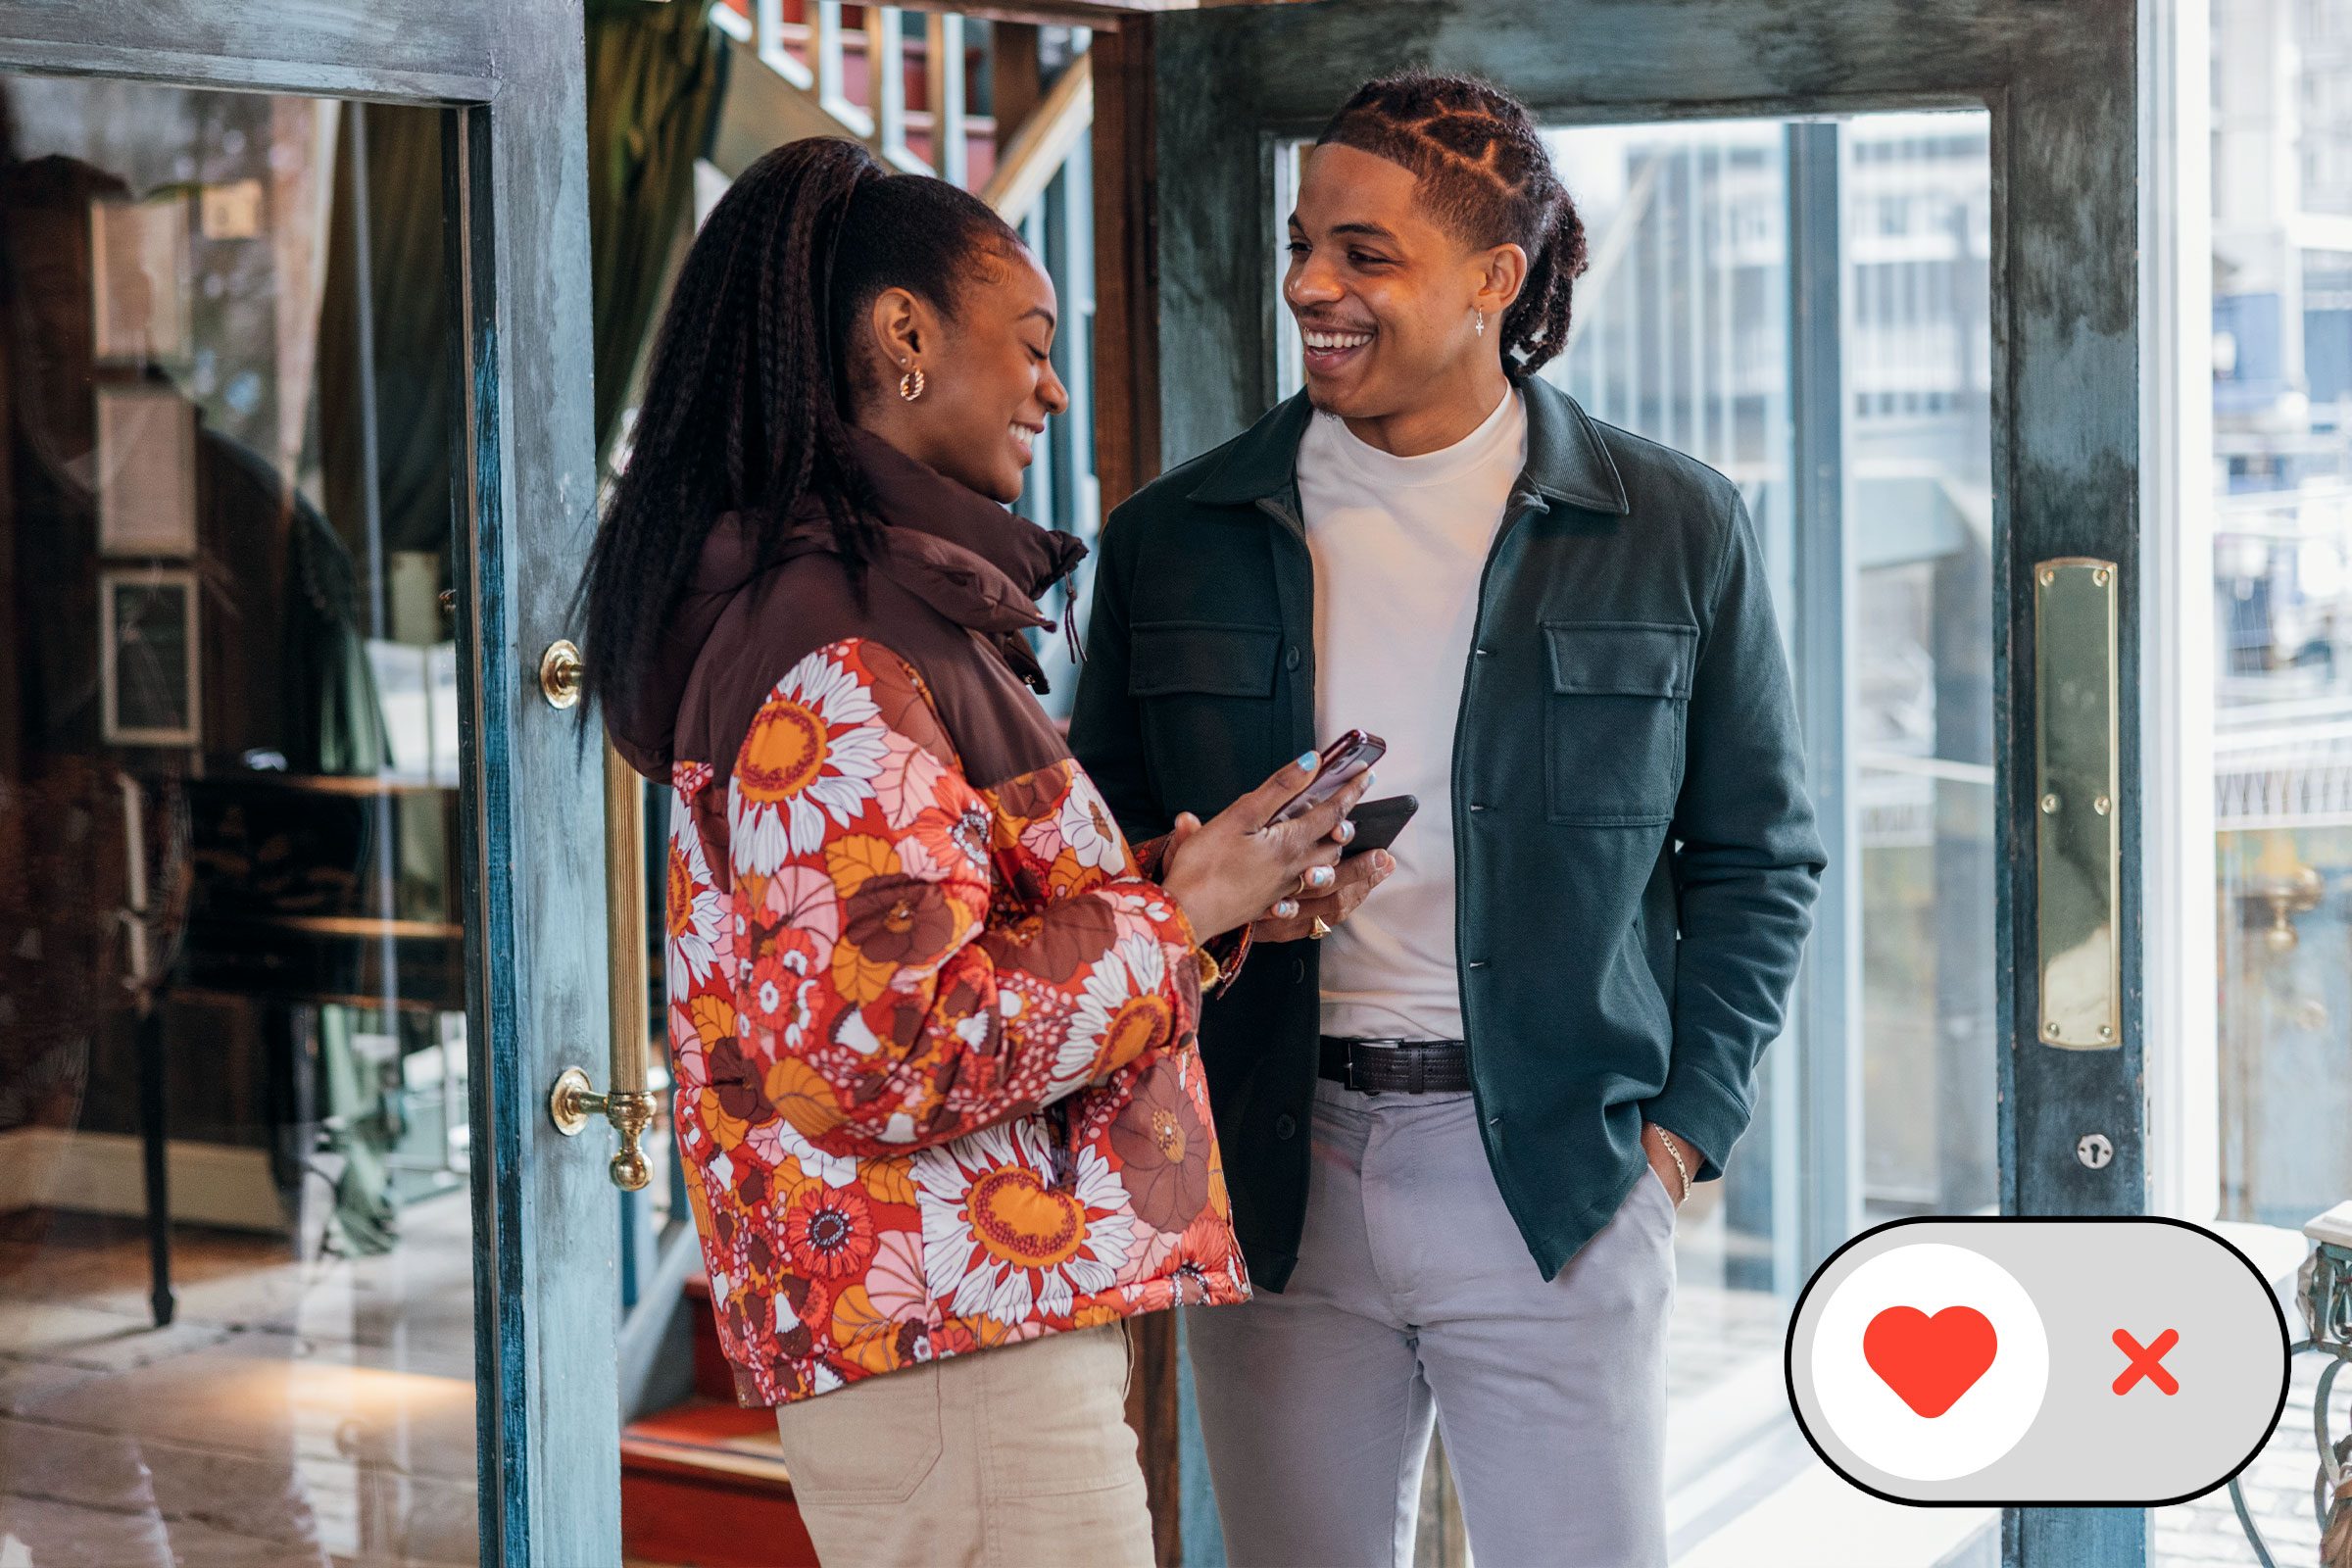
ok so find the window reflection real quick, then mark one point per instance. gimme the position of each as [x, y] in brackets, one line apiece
[2282, 520]
[1686, 336]
[230, 947]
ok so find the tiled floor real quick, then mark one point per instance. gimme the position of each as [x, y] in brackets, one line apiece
[294, 1414]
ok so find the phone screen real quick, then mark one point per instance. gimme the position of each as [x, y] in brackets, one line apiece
[1349, 756]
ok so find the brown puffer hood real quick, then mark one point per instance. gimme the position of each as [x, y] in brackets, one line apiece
[969, 558]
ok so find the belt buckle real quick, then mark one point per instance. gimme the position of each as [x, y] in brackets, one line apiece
[1356, 1051]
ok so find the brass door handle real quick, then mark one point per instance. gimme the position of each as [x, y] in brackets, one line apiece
[630, 1105]
[575, 1103]
[560, 673]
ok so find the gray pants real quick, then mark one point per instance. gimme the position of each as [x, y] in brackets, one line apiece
[1415, 1290]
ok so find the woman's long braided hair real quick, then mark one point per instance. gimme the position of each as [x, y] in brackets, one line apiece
[755, 380]
[1483, 171]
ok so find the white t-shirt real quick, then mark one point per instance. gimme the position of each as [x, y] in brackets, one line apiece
[1399, 546]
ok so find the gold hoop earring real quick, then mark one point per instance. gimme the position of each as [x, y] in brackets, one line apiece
[911, 385]
[1481, 324]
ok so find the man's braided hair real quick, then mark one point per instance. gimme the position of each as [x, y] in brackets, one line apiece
[1485, 174]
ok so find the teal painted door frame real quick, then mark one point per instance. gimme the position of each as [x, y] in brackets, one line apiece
[2061, 82]
[511, 80]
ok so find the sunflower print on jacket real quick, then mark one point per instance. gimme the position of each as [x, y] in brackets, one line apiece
[937, 1087]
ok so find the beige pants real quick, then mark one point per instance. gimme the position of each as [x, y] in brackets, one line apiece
[992, 1460]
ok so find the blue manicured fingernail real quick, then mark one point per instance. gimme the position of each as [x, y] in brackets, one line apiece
[1319, 878]
[1344, 832]
[1306, 760]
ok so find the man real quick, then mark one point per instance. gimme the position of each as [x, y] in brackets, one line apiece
[1457, 1131]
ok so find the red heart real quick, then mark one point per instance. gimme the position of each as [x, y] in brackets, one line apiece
[1928, 1362]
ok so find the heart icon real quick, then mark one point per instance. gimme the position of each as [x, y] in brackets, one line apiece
[1928, 1362]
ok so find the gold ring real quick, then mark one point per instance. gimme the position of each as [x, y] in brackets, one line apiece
[1320, 930]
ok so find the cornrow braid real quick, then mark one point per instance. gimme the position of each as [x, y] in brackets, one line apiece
[1484, 172]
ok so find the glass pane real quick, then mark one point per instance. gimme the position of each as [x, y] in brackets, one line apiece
[230, 945]
[1684, 335]
[2282, 489]
[1915, 241]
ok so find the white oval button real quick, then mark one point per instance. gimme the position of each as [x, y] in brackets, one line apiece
[2037, 1360]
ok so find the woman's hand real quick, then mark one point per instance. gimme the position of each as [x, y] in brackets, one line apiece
[1238, 864]
[1357, 877]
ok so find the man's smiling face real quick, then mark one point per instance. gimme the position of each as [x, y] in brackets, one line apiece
[1382, 291]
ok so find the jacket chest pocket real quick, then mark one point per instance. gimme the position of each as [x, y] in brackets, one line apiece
[1205, 691]
[1613, 721]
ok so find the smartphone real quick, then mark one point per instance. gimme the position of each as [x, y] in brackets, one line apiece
[1378, 822]
[1342, 759]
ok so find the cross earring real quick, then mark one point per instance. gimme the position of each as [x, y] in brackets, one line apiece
[1481, 324]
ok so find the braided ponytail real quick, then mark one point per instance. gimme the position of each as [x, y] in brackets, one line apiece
[756, 377]
[1485, 172]
[1535, 329]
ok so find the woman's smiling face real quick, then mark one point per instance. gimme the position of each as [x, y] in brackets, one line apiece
[989, 383]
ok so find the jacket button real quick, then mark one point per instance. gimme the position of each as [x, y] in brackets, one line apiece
[1298, 971]
[1290, 660]
[1286, 1125]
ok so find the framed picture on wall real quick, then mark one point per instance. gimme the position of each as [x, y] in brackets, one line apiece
[139, 280]
[146, 472]
[147, 658]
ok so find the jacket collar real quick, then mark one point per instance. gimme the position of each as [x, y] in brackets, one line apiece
[964, 555]
[968, 558]
[1566, 461]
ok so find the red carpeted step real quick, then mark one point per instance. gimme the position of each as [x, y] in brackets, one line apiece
[704, 1486]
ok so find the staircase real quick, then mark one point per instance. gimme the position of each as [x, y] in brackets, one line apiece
[703, 1481]
[828, 53]
[820, 67]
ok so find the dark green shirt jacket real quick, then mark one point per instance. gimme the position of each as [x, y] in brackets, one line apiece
[1634, 850]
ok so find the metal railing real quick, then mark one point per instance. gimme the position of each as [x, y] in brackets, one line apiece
[813, 58]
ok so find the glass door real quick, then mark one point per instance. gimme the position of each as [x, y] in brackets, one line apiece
[295, 1267]
[1870, 308]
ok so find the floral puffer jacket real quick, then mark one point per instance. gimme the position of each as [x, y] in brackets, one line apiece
[933, 1030]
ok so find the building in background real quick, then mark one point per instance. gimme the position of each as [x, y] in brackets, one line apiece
[2282, 599]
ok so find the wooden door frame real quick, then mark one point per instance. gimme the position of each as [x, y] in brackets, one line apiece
[2061, 83]
[513, 79]
[1127, 456]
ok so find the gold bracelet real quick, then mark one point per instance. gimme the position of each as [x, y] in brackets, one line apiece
[1680, 1169]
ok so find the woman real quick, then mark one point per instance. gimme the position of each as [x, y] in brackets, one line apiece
[933, 1023]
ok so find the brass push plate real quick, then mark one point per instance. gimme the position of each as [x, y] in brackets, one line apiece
[2077, 808]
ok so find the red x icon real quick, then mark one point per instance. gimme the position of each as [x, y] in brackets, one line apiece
[2144, 1359]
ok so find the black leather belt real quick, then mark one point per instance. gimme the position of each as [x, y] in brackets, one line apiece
[1398, 1066]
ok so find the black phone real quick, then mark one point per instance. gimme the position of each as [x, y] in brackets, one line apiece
[1342, 759]
[1378, 822]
